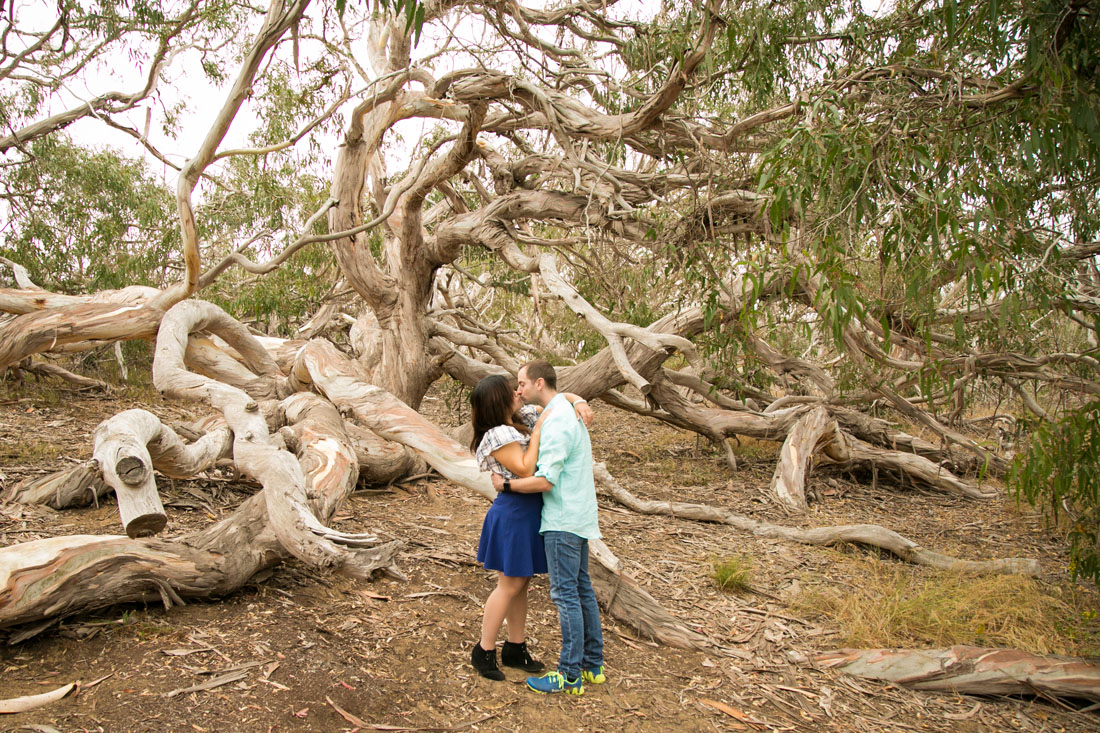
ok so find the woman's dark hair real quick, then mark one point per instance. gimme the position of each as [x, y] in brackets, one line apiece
[491, 404]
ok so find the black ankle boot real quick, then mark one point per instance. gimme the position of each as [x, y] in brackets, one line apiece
[485, 662]
[516, 655]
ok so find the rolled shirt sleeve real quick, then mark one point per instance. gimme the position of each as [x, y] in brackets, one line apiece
[553, 450]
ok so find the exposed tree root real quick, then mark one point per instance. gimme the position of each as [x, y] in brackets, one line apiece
[863, 534]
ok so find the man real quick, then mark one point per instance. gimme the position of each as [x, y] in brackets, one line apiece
[569, 521]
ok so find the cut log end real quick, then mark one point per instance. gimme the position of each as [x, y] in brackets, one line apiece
[146, 525]
[132, 470]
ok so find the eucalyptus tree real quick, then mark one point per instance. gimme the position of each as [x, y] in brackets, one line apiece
[744, 220]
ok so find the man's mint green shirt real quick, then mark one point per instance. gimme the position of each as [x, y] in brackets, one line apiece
[565, 460]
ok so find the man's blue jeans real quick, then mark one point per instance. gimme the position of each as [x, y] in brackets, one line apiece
[571, 591]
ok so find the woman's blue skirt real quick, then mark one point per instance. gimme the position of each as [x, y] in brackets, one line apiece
[510, 539]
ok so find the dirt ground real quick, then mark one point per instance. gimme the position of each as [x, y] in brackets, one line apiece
[302, 651]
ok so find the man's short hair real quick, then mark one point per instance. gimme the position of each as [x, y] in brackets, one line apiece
[542, 369]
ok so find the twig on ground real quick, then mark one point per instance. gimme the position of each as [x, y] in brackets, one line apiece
[216, 682]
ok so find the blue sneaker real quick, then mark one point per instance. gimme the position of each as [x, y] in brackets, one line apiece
[552, 682]
[595, 676]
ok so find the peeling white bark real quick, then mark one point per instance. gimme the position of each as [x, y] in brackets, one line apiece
[255, 453]
[789, 480]
[971, 671]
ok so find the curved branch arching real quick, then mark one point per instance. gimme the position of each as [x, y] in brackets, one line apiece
[255, 453]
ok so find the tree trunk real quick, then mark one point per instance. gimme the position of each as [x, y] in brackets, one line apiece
[789, 479]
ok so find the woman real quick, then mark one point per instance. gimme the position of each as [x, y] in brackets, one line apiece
[506, 440]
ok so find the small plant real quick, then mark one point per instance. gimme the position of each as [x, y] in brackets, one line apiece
[148, 631]
[732, 574]
[1058, 474]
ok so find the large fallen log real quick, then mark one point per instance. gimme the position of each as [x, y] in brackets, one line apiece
[971, 670]
[62, 576]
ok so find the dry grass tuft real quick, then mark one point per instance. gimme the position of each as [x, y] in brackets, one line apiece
[28, 452]
[732, 574]
[753, 449]
[898, 606]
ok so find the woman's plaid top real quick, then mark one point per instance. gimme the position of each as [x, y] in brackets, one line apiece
[502, 435]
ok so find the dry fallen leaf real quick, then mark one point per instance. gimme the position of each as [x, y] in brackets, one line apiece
[374, 596]
[733, 713]
[346, 715]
